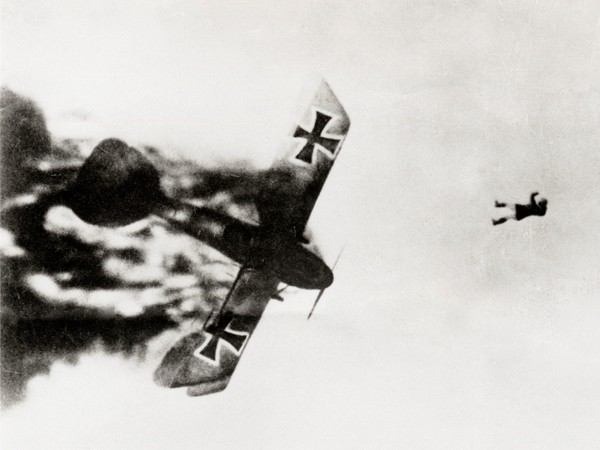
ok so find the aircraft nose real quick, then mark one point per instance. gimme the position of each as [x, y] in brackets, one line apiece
[327, 279]
[302, 268]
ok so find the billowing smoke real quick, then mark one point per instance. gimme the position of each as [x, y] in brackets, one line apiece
[25, 139]
[69, 286]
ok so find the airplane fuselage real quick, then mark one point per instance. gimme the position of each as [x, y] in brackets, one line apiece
[273, 250]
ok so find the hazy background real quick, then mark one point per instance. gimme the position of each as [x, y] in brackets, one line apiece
[440, 331]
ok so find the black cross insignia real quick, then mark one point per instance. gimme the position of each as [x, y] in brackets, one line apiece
[315, 137]
[221, 331]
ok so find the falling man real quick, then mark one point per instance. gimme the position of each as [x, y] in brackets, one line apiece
[534, 208]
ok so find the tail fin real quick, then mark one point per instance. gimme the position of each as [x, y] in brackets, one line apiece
[116, 186]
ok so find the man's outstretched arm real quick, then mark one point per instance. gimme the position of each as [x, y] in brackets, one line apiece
[532, 199]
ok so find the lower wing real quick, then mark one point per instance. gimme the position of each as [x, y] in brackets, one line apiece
[205, 360]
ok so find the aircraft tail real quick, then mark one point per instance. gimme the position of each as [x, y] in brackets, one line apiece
[117, 185]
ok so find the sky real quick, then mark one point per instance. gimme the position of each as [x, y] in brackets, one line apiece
[440, 330]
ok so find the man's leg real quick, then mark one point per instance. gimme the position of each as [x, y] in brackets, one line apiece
[512, 216]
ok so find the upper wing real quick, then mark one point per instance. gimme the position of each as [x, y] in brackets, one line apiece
[294, 182]
[205, 360]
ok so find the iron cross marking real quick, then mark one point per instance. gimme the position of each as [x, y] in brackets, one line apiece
[222, 331]
[315, 137]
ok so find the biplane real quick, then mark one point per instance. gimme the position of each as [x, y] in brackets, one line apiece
[117, 185]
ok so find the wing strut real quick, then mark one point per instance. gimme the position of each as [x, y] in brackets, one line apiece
[211, 317]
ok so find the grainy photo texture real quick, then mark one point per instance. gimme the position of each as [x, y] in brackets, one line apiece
[294, 224]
